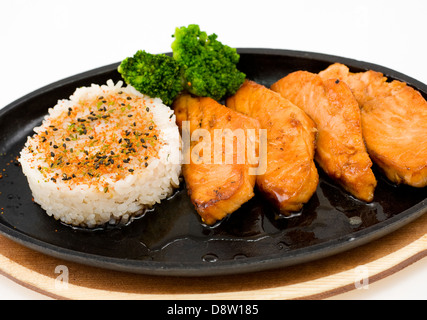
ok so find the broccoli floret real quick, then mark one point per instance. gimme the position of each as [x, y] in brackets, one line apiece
[156, 75]
[208, 66]
[199, 64]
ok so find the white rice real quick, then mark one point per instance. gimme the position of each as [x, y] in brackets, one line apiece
[109, 197]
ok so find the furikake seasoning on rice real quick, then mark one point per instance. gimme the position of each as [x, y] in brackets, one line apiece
[104, 155]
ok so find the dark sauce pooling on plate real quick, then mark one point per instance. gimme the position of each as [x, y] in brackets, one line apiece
[173, 231]
[256, 229]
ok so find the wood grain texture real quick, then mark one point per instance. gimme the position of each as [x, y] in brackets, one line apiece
[315, 280]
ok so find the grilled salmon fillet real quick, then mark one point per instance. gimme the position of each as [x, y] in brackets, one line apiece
[394, 122]
[291, 177]
[340, 150]
[216, 187]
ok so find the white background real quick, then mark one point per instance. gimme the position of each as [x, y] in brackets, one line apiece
[45, 41]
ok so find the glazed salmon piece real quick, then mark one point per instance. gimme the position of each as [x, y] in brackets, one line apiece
[340, 152]
[291, 177]
[216, 189]
[394, 122]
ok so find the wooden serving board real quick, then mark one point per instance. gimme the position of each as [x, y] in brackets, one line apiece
[315, 280]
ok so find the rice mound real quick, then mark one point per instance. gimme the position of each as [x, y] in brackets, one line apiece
[130, 180]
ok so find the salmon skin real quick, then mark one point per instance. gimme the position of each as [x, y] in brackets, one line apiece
[217, 187]
[394, 123]
[340, 149]
[291, 177]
